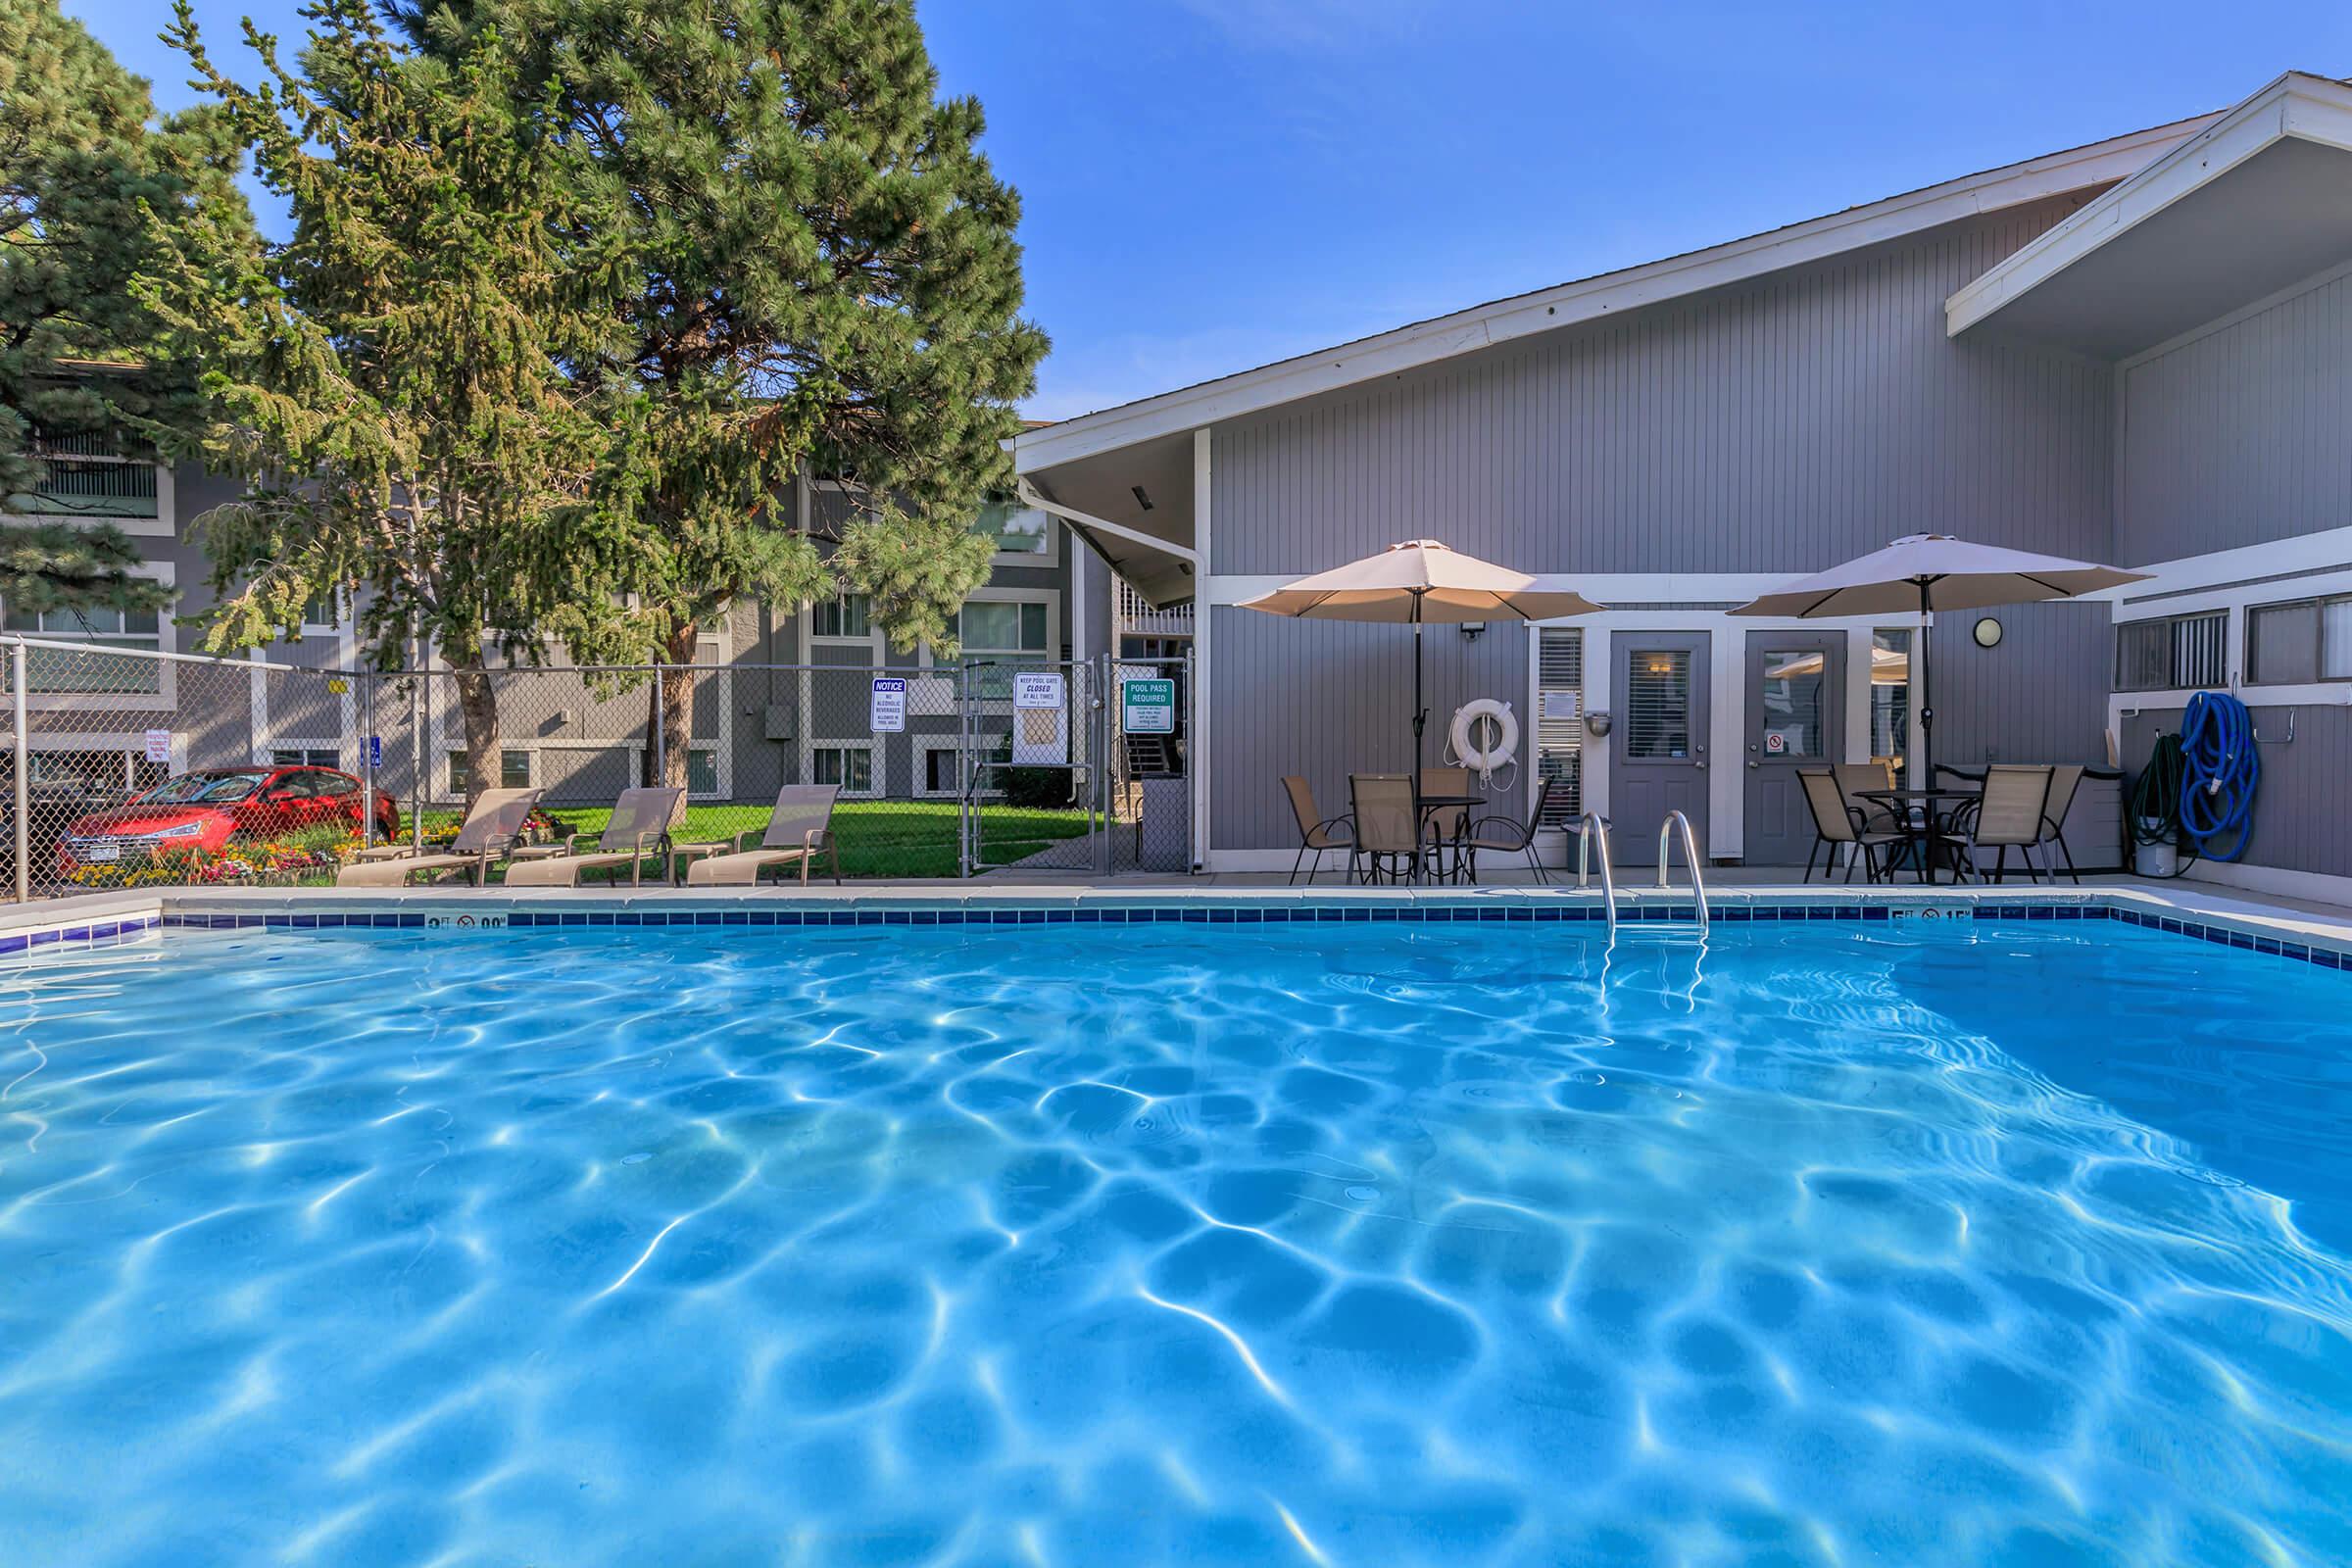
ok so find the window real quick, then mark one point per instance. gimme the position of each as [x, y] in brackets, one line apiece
[2173, 652]
[941, 775]
[1001, 626]
[1890, 693]
[847, 617]
[1560, 721]
[1657, 720]
[304, 756]
[1015, 529]
[849, 766]
[701, 770]
[1792, 684]
[331, 785]
[56, 670]
[2309, 640]
[92, 474]
[513, 770]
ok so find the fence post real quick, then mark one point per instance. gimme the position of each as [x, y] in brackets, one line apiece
[368, 745]
[965, 771]
[1107, 773]
[658, 709]
[24, 782]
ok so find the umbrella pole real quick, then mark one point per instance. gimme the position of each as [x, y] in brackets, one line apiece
[1420, 714]
[1926, 696]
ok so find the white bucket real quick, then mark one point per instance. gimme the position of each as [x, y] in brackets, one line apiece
[2156, 859]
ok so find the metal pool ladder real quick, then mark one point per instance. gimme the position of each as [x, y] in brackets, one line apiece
[1698, 881]
[1585, 839]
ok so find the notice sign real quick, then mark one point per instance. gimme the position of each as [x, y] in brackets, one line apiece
[890, 704]
[1561, 704]
[1149, 706]
[1035, 689]
[376, 751]
[1775, 743]
[158, 745]
[1040, 719]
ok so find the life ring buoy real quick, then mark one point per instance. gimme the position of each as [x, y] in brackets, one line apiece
[1464, 738]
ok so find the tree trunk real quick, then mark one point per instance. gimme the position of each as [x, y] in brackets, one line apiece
[672, 712]
[477, 703]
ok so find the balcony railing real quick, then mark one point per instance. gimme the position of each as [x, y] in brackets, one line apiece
[1138, 618]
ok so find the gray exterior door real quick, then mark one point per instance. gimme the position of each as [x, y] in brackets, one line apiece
[1658, 748]
[1795, 718]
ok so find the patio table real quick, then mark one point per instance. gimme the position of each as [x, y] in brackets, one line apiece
[1432, 803]
[1919, 828]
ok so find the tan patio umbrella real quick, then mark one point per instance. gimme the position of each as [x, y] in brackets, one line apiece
[1416, 582]
[1927, 572]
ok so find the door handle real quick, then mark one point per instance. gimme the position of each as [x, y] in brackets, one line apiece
[1701, 766]
[1752, 764]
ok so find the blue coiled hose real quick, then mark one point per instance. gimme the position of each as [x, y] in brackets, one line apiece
[2222, 770]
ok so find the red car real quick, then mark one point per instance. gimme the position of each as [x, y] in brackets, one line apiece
[204, 809]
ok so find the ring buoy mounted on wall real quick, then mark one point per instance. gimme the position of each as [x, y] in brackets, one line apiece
[1485, 735]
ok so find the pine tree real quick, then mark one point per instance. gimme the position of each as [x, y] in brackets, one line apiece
[389, 381]
[825, 279]
[87, 168]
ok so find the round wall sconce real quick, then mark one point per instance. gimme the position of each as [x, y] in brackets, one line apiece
[1988, 632]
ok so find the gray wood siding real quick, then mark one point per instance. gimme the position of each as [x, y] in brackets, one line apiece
[2299, 819]
[1328, 697]
[1776, 426]
[2040, 697]
[2237, 436]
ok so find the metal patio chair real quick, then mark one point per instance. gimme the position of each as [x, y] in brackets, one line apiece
[1388, 833]
[2065, 780]
[2007, 815]
[1839, 820]
[1509, 835]
[1317, 832]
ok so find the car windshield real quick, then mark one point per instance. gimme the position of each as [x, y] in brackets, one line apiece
[203, 789]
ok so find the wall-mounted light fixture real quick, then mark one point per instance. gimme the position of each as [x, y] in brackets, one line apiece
[1472, 630]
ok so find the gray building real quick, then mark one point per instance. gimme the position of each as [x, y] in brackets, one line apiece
[2138, 351]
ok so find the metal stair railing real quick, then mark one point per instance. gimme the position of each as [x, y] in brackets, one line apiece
[1698, 881]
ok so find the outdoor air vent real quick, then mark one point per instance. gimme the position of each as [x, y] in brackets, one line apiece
[1142, 500]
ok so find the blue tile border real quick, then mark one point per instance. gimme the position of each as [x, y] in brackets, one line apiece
[1734, 912]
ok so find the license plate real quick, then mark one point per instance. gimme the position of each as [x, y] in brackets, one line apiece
[104, 850]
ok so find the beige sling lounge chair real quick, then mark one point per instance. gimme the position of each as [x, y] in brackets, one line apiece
[639, 826]
[492, 826]
[801, 827]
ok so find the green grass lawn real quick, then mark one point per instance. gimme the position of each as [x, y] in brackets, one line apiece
[877, 838]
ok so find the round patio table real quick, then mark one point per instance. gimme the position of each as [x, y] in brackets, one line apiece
[1432, 803]
[1919, 828]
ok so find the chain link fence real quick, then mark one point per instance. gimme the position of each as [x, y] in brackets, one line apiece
[129, 767]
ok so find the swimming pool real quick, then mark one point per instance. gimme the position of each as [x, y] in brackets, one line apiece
[1367, 1243]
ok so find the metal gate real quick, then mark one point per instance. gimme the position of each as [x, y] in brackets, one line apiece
[1077, 765]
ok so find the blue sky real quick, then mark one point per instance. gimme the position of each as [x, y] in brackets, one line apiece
[1211, 184]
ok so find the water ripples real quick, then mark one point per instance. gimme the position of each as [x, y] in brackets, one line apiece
[1317, 1245]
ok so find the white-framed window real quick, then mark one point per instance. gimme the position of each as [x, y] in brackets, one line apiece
[845, 618]
[2300, 641]
[56, 672]
[702, 772]
[109, 474]
[938, 760]
[2173, 652]
[1000, 624]
[848, 763]
[306, 754]
[514, 770]
[1022, 536]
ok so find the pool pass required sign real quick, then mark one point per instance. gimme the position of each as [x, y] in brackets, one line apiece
[1149, 707]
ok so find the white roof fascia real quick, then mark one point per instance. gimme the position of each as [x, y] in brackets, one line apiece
[1589, 299]
[2309, 108]
[1031, 496]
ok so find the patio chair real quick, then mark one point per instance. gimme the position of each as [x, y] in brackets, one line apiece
[1839, 820]
[2065, 780]
[1877, 815]
[2006, 816]
[492, 826]
[1386, 836]
[639, 826]
[1317, 832]
[1443, 827]
[1509, 835]
[801, 826]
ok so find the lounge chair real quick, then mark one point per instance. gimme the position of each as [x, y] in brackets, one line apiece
[1839, 820]
[492, 826]
[1509, 835]
[1317, 832]
[801, 826]
[1385, 829]
[639, 826]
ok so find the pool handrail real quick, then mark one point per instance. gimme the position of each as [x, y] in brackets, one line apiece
[1585, 826]
[1698, 881]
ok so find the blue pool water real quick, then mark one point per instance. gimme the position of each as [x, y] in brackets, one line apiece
[1363, 1244]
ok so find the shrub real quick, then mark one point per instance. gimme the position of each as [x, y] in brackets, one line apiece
[1045, 789]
